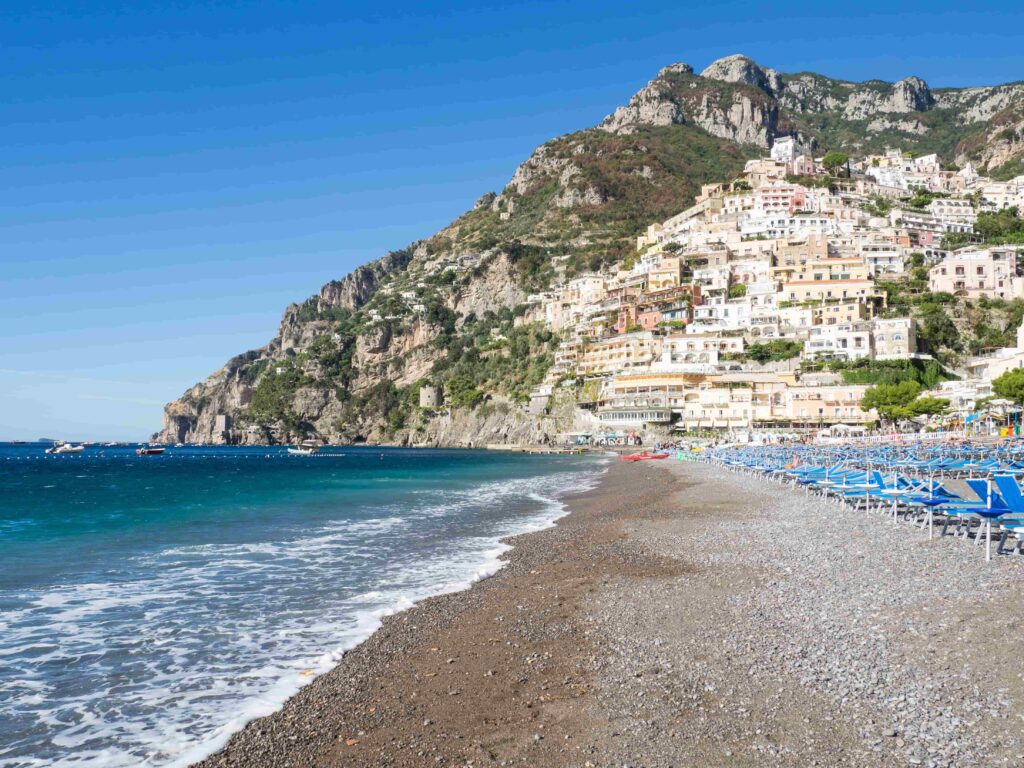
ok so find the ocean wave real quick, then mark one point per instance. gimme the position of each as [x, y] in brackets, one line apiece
[143, 670]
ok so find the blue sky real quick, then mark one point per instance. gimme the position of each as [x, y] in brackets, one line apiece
[176, 173]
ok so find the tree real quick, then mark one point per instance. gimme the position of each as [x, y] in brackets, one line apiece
[900, 402]
[926, 405]
[774, 350]
[1010, 385]
[891, 400]
[1003, 226]
[737, 291]
[937, 330]
[835, 162]
[462, 393]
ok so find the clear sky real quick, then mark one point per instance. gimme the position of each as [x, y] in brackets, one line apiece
[174, 174]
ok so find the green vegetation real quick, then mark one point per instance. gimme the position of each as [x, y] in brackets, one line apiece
[836, 162]
[382, 402]
[673, 325]
[737, 291]
[1010, 386]
[900, 402]
[1001, 227]
[927, 373]
[1004, 227]
[462, 393]
[823, 182]
[922, 198]
[272, 398]
[639, 178]
[774, 350]
[936, 329]
[492, 354]
[878, 206]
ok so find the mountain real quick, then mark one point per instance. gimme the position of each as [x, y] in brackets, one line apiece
[348, 363]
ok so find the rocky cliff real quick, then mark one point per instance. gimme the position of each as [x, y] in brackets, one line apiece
[450, 311]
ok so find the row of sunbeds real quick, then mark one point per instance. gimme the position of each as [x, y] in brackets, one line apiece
[976, 497]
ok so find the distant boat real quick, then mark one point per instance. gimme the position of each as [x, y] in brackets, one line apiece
[305, 448]
[149, 451]
[60, 446]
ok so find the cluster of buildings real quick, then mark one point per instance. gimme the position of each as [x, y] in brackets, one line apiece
[786, 262]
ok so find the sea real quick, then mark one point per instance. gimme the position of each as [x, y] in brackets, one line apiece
[150, 606]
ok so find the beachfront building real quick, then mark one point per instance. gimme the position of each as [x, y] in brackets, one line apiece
[730, 402]
[817, 405]
[632, 400]
[618, 353]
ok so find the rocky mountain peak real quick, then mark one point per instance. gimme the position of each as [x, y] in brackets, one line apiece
[741, 69]
[913, 95]
[679, 68]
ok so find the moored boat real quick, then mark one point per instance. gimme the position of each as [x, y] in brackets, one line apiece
[61, 447]
[149, 450]
[305, 448]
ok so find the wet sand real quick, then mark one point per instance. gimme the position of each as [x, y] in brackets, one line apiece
[681, 615]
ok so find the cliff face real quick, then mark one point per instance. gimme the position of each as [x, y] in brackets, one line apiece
[346, 364]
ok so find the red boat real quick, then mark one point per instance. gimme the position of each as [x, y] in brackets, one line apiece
[148, 451]
[643, 456]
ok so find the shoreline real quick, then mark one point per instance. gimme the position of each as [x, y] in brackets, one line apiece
[444, 658]
[268, 706]
[680, 614]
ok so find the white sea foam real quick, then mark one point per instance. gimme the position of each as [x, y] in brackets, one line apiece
[168, 666]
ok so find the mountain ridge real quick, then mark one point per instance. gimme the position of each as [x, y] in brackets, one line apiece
[347, 363]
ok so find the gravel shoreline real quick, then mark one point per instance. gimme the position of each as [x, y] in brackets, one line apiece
[683, 615]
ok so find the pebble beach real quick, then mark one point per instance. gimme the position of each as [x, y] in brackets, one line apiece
[683, 614]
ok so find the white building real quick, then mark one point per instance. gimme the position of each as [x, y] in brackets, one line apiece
[786, 149]
[846, 341]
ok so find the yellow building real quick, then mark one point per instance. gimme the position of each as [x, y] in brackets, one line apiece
[619, 353]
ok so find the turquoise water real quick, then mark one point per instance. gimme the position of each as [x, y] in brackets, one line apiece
[150, 606]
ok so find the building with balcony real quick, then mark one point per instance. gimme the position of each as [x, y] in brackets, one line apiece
[988, 272]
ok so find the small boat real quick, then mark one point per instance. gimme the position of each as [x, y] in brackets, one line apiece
[305, 448]
[644, 456]
[149, 450]
[61, 447]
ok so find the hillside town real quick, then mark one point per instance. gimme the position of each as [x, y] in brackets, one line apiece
[742, 313]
